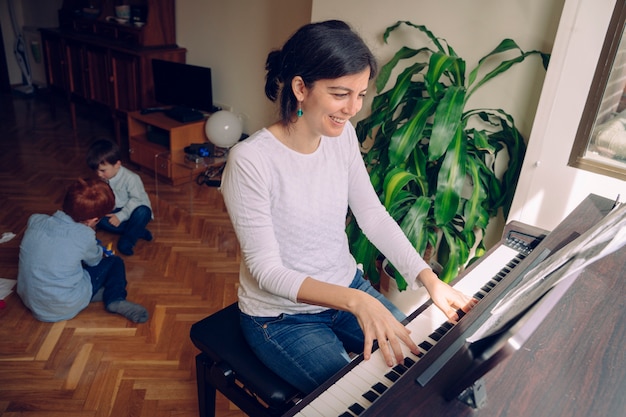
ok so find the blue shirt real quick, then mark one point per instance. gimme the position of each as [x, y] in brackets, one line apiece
[51, 279]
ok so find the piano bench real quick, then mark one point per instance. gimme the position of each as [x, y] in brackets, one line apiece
[227, 364]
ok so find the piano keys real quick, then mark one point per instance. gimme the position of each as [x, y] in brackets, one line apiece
[352, 394]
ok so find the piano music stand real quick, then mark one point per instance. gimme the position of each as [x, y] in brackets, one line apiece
[227, 364]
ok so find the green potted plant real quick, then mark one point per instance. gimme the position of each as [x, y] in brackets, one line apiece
[432, 161]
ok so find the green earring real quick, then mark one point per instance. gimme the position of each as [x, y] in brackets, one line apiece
[299, 113]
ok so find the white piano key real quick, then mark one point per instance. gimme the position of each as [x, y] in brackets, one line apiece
[308, 411]
[484, 271]
[360, 385]
[347, 396]
[371, 377]
[325, 407]
[341, 397]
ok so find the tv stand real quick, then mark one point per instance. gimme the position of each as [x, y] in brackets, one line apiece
[149, 110]
[184, 114]
[156, 143]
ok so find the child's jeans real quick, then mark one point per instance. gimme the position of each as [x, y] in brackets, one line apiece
[131, 229]
[110, 274]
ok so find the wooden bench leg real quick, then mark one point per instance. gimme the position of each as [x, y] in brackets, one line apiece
[206, 393]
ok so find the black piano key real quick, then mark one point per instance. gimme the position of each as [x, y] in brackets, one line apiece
[441, 330]
[435, 336]
[370, 396]
[400, 369]
[425, 345]
[379, 388]
[408, 362]
[357, 409]
[392, 376]
[479, 295]
[346, 414]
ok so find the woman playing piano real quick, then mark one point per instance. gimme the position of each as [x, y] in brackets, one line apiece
[287, 188]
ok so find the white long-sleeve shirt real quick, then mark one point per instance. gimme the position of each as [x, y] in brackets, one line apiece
[289, 213]
[129, 193]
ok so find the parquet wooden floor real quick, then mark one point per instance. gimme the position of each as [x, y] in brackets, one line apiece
[100, 364]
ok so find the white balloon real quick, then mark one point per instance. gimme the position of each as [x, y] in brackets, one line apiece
[223, 128]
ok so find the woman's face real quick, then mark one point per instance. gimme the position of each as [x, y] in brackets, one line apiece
[329, 104]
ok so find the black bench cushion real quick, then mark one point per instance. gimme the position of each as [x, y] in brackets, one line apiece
[220, 337]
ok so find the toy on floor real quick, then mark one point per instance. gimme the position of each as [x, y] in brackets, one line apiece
[108, 249]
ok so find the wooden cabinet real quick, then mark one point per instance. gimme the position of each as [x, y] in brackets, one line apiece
[56, 65]
[98, 60]
[157, 25]
[98, 71]
[157, 142]
[96, 66]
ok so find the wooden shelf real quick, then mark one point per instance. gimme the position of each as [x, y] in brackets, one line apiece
[157, 143]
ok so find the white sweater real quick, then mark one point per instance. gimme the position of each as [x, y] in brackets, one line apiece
[289, 212]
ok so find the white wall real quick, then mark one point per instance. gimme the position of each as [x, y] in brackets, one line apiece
[38, 13]
[233, 38]
[548, 189]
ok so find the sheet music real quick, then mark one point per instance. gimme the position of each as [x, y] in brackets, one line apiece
[604, 238]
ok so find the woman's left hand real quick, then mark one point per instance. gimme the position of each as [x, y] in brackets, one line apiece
[446, 298]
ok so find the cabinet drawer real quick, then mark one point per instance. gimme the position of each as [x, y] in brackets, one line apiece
[153, 157]
[163, 165]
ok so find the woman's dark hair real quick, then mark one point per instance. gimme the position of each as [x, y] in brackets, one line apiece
[87, 199]
[317, 51]
[102, 151]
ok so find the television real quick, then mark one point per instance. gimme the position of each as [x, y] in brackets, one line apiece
[182, 85]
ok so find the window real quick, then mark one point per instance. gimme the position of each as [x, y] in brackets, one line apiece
[600, 144]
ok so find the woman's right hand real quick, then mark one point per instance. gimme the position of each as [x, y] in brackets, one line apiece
[379, 324]
[375, 320]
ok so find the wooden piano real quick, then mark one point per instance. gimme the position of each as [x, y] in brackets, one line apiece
[572, 364]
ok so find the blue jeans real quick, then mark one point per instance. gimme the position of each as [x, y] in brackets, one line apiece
[131, 229]
[307, 349]
[110, 274]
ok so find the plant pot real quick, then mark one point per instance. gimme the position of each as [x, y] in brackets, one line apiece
[408, 300]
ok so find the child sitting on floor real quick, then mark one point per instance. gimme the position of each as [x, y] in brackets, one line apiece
[61, 265]
[132, 211]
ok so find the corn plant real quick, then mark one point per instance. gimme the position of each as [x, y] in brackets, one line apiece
[433, 161]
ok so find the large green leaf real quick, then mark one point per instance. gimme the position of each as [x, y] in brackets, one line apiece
[504, 46]
[422, 28]
[447, 121]
[414, 223]
[473, 209]
[453, 250]
[405, 139]
[450, 180]
[385, 71]
[438, 65]
[395, 180]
